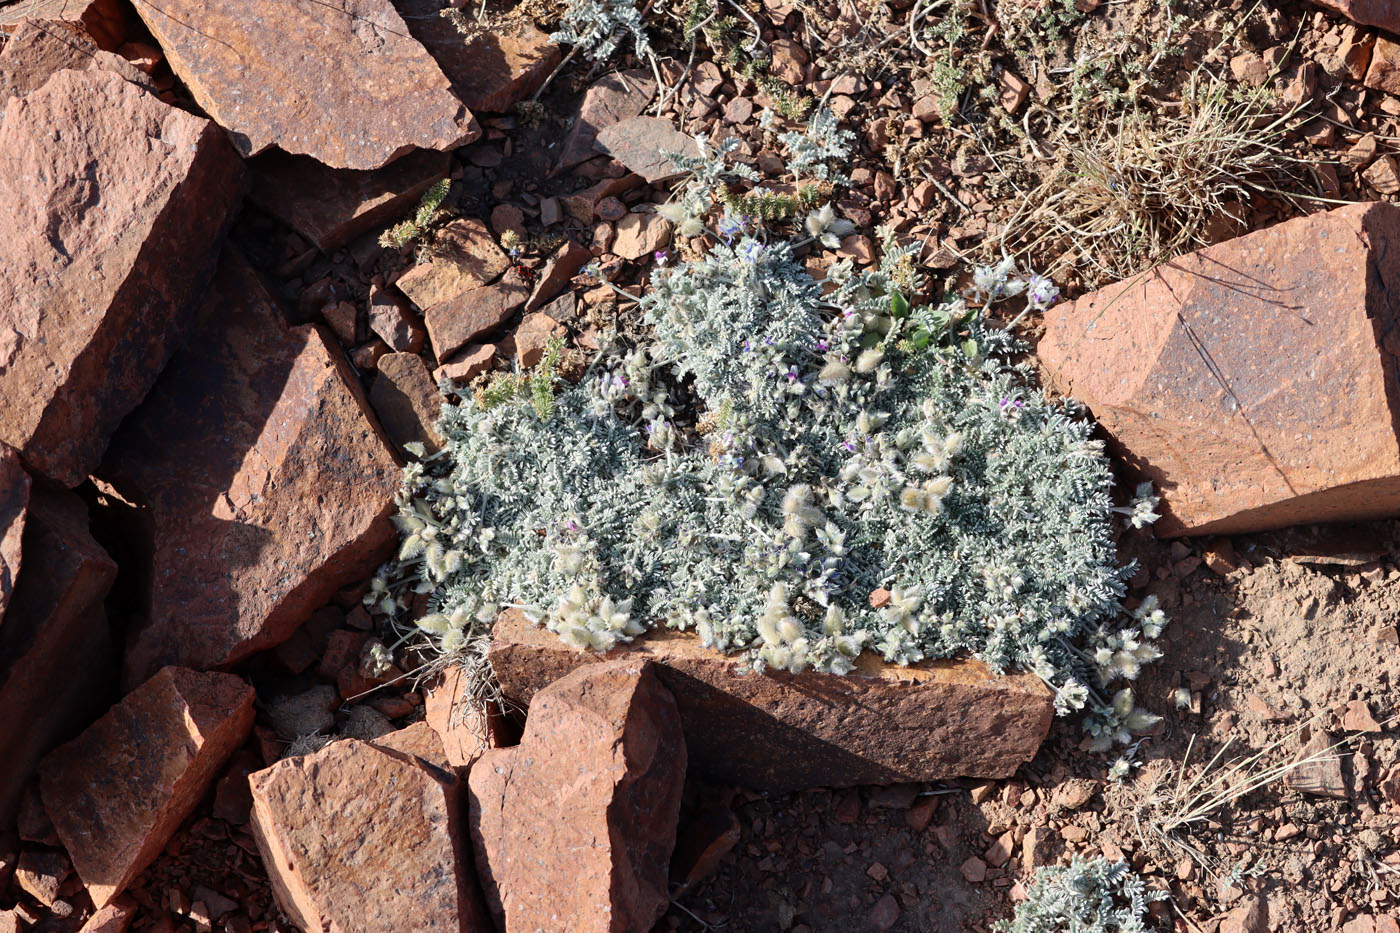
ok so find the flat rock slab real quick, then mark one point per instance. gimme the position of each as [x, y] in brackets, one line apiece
[1382, 13]
[93, 300]
[407, 400]
[262, 482]
[1255, 381]
[330, 206]
[490, 71]
[611, 99]
[365, 837]
[106, 21]
[781, 732]
[37, 49]
[118, 792]
[574, 828]
[642, 144]
[55, 646]
[14, 504]
[342, 81]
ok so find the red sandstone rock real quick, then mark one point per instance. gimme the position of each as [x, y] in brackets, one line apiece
[118, 792]
[115, 917]
[394, 322]
[332, 206]
[1383, 71]
[490, 71]
[261, 480]
[471, 315]
[342, 81]
[574, 828]
[642, 144]
[464, 726]
[611, 99]
[1382, 13]
[364, 837]
[37, 49]
[105, 21]
[1254, 382]
[420, 741]
[407, 400]
[466, 257]
[92, 302]
[14, 503]
[555, 275]
[532, 336]
[781, 732]
[467, 365]
[55, 647]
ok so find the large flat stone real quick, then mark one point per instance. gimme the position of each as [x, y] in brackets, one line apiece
[342, 81]
[107, 240]
[490, 71]
[1382, 13]
[37, 49]
[780, 732]
[14, 504]
[612, 99]
[362, 836]
[1254, 382]
[332, 206]
[574, 828]
[119, 791]
[55, 647]
[261, 480]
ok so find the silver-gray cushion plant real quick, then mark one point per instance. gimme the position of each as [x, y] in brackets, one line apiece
[778, 450]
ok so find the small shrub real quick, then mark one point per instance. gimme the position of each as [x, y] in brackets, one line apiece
[1088, 896]
[407, 231]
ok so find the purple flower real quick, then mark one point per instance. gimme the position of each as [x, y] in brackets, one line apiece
[729, 227]
[662, 257]
[849, 446]
[751, 251]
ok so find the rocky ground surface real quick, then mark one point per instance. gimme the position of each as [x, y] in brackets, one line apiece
[206, 387]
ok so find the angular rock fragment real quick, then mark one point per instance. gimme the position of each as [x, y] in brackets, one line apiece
[1255, 381]
[466, 257]
[373, 94]
[364, 837]
[55, 646]
[574, 828]
[261, 480]
[781, 732]
[394, 323]
[14, 503]
[118, 792]
[491, 70]
[612, 99]
[407, 401]
[643, 143]
[465, 726]
[105, 21]
[37, 49]
[1382, 13]
[93, 300]
[332, 206]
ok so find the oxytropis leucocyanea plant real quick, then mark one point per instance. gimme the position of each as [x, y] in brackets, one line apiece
[1087, 896]
[798, 471]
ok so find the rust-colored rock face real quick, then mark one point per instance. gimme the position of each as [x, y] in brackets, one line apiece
[491, 71]
[93, 301]
[14, 503]
[612, 99]
[407, 400]
[342, 81]
[574, 828]
[260, 478]
[118, 792]
[106, 21]
[1254, 382]
[55, 647]
[359, 837]
[329, 206]
[1382, 13]
[782, 732]
[36, 50]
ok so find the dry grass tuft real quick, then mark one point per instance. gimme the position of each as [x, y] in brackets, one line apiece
[1151, 184]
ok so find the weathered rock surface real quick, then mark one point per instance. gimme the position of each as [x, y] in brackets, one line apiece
[373, 94]
[407, 400]
[14, 503]
[118, 792]
[574, 828]
[93, 301]
[55, 646]
[781, 732]
[262, 482]
[1254, 382]
[363, 837]
[393, 322]
[464, 726]
[1382, 13]
[331, 206]
[611, 99]
[37, 49]
[641, 144]
[106, 21]
[491, 71]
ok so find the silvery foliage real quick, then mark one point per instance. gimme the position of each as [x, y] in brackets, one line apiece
[1087, 896]
[767, 463]
[597, 27]
[813, 149]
